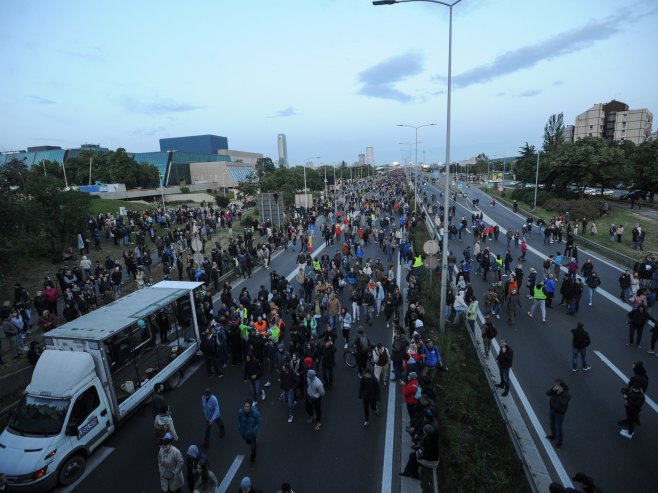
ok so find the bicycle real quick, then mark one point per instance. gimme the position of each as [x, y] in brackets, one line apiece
[349, 356]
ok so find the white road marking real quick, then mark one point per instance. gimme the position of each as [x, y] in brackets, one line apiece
[387, 469]
[230, 474]
[95, 460]
[652, 404]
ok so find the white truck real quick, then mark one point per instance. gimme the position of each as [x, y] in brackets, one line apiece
[94, 372]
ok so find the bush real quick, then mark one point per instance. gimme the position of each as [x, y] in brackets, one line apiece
[184, 190]
[221, 200]
[248, 222]
[580, 208]
[527, 195]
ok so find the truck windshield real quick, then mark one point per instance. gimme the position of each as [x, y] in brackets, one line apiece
[39, 416]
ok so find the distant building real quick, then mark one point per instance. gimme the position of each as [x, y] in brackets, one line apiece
[614, 121]
[43, 148]
[222, 174]
[370, 156]
[283, 149]
[568, 133]
[362, 159]
[200, 144]
[241, 156]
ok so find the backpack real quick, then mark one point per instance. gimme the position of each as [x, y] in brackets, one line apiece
[160, 430]
[547, 264]
[363, 344]
[383, 358]
[419, 392]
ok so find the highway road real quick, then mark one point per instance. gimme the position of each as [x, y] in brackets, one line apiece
[342, 456]
[542, 352]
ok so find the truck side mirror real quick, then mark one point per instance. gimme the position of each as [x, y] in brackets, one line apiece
[71, 430]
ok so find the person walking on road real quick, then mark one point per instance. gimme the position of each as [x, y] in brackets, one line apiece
[246, 487]
[362, 344]
[289, 384]
[381, 358]
[489, 332]
[205, 479]
[512, 305]
[314, 393]
[170, 466]
[579, 342]
[593, 282]
[633, 402]
[253, 371]
[505, 360]
[248, 426]
[539, 299]
[210, 406]
[637, 319]
[558, 404]
[369, 393]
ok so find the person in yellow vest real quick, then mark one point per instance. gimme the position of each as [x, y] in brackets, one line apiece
[539, 298]
[418, 263]
[317, 267]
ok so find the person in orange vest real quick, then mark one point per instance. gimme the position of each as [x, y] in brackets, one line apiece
[260, 325]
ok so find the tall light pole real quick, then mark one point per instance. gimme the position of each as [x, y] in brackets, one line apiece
[164, 207]
[534, 204]
[446, 204]
[305, 192]
[416, 127]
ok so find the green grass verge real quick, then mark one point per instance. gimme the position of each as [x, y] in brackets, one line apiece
[476, 450]
[101, 206]
[619, 213]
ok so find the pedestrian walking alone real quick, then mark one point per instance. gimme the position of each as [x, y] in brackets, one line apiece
[593, 282]
[558, 404]
[633, 402]
[637, 319]
[248, 426]
[539, 299]
[579, 343]
[369, 393]
[211, 413]
[314, 393]
[505, 360]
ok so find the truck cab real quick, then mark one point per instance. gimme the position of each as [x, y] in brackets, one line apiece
[63, 416]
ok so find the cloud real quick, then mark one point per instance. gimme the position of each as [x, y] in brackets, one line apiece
[558, 83]
[93, 54]
[40, 100]
[529, 93]
[289, 111]
[149, 131]
[380, 79]
[156, 106]
[554, 47]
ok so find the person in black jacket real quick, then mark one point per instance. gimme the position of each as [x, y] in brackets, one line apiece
[369, 393]
[633, 402]
[637, 318]
[558, 404]
[579, 343]
[328, 358]
[505, 359]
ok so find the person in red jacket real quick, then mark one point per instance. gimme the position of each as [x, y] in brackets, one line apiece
[409, 392]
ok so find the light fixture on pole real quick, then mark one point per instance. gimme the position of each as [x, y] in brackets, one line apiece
[305, 191]
[446, 208]
[416, 127]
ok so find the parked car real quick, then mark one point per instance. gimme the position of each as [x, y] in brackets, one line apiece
[607, 192]
[634, 195]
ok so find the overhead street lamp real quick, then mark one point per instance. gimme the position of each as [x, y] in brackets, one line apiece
[446, 206]
[416, 127]
[305, 192]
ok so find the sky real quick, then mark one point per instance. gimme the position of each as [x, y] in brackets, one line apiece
[334, 76]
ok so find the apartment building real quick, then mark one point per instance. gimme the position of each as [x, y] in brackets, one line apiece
[614, 121]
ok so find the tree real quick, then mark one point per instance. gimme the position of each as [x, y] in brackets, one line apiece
[249, 186]
[15, 173]
[526, 164]
[644, 167]
[553, 133]
[264, 166]
[481, 163]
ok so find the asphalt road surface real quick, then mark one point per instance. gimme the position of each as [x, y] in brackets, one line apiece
[542, 352]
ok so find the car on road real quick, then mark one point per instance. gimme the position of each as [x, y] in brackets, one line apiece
[634, 195]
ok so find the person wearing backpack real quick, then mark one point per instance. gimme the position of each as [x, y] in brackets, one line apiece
[431, 359]
[409, 391]
[362, 344]
[579, 343]
[164, 423]
[489, 332]
[381, 358]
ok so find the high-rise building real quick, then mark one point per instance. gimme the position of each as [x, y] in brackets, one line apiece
[283, 150]
[362, 159]
[614, 121]
[568, 133]
[370, 156]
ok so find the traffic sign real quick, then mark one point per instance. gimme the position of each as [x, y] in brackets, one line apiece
[431, 247]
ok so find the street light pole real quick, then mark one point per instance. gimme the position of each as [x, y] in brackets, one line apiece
[444, 253]
[416, 127]
[534, 204]
[164, 207]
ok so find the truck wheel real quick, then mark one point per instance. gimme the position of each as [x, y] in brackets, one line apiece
[71, 470]
[175, 380]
